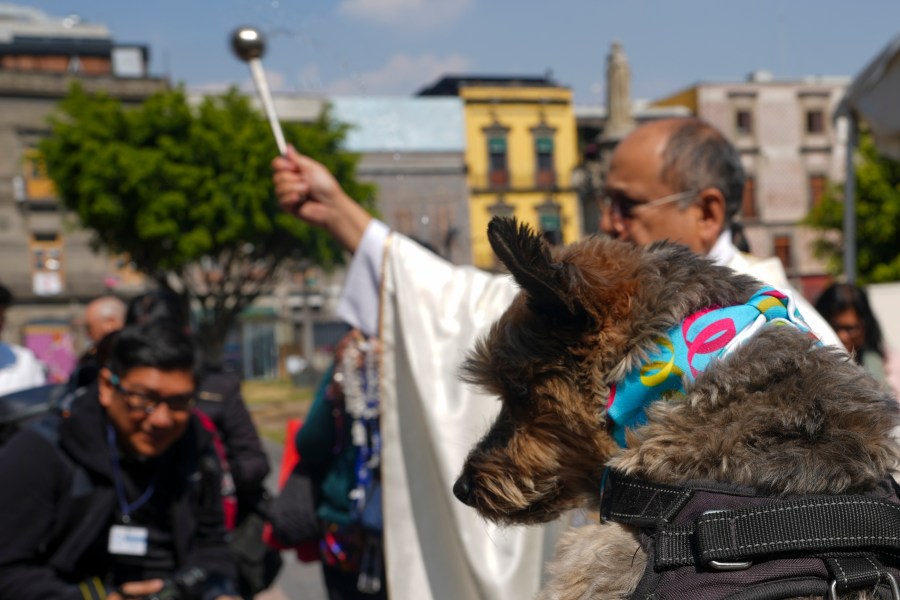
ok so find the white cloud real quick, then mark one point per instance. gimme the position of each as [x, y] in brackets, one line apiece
[405, 13]
[403, 74]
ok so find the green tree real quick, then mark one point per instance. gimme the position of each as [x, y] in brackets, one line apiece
[877, 217]
[185, 192]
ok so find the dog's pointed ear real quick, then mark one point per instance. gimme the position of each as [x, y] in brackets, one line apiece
[528, 259]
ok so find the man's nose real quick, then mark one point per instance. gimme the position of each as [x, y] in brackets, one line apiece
[161, 417]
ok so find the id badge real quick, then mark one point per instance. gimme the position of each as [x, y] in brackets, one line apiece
[129, 541]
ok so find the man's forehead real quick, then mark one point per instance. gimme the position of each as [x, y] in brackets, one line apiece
[153, 378]
[638, 158]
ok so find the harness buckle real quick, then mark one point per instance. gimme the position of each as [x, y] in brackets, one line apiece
[719, 565]
[740, 565]
[891, 580]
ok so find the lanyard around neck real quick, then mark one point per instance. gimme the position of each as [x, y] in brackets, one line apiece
[126, 507]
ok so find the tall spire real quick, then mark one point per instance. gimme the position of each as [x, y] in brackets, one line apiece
[619, 120]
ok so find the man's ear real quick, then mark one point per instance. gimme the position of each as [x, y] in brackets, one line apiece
[712, 216]
[104, 387]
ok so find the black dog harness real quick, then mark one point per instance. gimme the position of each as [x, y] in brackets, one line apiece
[711, 541]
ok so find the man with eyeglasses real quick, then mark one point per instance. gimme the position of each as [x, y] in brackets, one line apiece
[429, 314]
[682, 180]
[119, 496]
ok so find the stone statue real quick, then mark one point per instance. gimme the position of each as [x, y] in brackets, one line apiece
[619, 120]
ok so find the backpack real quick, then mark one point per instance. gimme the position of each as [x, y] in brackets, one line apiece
[28, 405]
[257, 564]
[228, 490]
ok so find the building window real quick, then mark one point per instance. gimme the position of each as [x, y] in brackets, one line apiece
[815, 121]
[781, 245]
[546, 174]
[497, 162]
[47, 264]
[743, 122]
[550, 219]
[748, 204]
[38, 186]
[817, 187]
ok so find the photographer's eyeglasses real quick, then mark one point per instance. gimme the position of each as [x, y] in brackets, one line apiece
[147, 402]
[622, 207]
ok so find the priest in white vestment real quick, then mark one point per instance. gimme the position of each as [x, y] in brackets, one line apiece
[429, 313]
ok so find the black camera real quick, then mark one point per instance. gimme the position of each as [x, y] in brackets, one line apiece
[186, 584]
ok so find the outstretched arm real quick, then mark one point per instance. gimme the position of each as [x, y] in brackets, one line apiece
[306, 189]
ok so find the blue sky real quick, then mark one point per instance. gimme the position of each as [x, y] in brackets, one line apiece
[378, 47]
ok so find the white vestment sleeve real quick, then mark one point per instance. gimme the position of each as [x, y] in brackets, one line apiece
[359, 301]
[436, 548]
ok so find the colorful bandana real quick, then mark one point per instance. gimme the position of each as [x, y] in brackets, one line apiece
[687, 349]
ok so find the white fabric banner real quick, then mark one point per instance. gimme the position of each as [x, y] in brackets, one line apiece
[436, 548]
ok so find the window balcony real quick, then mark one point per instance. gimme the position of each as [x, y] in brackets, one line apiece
[507, 181]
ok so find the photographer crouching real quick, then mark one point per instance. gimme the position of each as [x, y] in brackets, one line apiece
[118, 496]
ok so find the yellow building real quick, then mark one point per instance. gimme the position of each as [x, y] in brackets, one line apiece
[521, 148]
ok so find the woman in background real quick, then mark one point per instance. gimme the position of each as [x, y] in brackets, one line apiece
[846, 308]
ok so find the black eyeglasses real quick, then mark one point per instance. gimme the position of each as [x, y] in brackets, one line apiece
[622, 207]
[147, 402]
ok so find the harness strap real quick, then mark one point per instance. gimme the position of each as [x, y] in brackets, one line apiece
[642, 503]
[858, 572]
[810, 525]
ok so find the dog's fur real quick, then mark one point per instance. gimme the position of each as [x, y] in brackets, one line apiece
[778, 414]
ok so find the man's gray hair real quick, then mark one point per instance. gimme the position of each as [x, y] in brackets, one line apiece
[697, 156]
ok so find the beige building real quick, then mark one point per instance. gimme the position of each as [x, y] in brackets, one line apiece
[45, 260]
[790, 150]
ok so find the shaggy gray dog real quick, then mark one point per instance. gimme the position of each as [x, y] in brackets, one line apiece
[780, 414]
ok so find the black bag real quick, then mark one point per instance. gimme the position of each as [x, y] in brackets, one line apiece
[293, 512]
[20, 407]
[257, 563]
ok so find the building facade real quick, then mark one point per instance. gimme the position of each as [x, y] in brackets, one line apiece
[790, 150]
[413, 151]
[520, 152]
[45, 259]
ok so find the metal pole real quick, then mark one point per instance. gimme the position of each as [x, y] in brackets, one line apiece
[850, 202]
[262, 87]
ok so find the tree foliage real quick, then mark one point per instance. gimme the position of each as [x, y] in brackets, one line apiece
[185, 192]
[877, 202]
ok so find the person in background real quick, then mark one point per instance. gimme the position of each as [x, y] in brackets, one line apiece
[102, 316]
[351, 544]
[682, 180]
[19, 367]
[846, 308]
[118, 497]
[219, 397]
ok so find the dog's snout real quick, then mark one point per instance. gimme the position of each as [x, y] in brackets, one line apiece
[464, 490]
